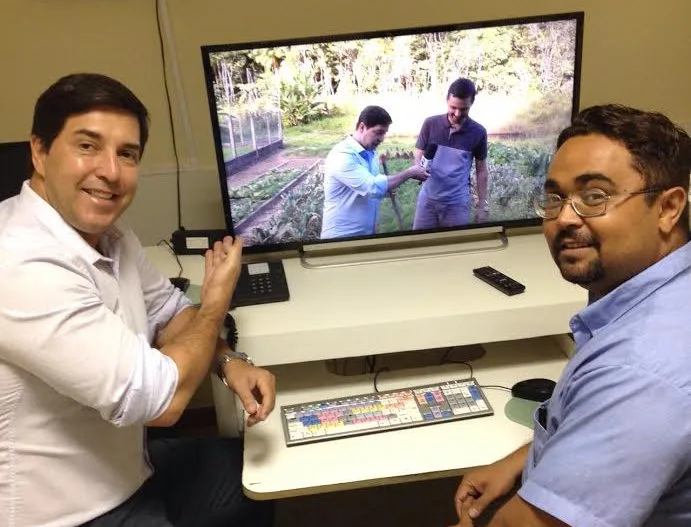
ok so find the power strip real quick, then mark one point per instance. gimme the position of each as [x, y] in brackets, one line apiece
[196, 241]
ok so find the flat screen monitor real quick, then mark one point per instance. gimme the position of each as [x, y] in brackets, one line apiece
[15, 167]
[293, 166]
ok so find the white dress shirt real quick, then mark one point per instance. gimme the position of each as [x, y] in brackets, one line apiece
[78, 375]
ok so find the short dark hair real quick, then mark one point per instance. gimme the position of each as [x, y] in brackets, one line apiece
[660, 150]
[462, 89]
[80, 93]
[373, 116]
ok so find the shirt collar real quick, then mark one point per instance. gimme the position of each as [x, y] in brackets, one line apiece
[615, 304]
[367, 155]
[30, 201]
[464, 123]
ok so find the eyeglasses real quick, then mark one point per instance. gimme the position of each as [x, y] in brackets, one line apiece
[586, 203]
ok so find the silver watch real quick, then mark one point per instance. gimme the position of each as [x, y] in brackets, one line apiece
[228, 357]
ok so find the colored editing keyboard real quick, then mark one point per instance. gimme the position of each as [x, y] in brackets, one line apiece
[383, 411]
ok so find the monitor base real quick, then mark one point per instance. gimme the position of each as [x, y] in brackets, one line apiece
[403, 248]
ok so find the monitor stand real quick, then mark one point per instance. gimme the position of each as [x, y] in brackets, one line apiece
[400, 248]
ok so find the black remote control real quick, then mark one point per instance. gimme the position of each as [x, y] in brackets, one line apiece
[499, 280]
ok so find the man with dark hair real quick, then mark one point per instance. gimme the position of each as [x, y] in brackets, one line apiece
[445, 198]
[612, 447]
[95, 343]
[353, 186]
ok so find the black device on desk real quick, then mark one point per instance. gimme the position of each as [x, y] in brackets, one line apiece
[261, 283]
[538, 390]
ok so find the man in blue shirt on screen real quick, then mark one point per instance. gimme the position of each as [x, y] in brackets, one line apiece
[353, 186]
[445, 200]
[612, 447]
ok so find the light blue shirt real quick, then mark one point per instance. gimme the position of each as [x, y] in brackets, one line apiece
[614, 448]
[353, 189]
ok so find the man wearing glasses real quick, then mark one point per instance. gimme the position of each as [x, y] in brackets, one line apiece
[614, 445]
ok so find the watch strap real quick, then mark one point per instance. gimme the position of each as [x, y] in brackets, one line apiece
[227, 357]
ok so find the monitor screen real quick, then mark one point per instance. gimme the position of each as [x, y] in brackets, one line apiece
[306, 155]
[15, 167]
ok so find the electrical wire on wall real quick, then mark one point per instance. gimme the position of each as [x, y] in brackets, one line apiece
[170, 112]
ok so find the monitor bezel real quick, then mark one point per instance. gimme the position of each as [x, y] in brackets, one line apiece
[295, 246]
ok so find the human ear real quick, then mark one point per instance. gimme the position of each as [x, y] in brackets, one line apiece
[671, 206]
[38, 155]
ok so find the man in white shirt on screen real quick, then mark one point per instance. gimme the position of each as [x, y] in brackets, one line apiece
[95, 343]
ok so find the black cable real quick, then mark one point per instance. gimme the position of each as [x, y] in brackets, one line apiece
[466, 364]
[370, 361]
[170, 246]
[494, 387]
[232, 334]
[376, 376]
[170, 114]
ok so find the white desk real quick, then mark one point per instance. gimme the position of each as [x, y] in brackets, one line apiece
[392, 307]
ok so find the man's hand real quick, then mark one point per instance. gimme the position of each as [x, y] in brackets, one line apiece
[466, 520]
[480, 213]
[481, 487]
[222, 269]
[256, 388]
[418, 173]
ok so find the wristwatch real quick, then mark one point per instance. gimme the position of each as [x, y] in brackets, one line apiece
[228, 357]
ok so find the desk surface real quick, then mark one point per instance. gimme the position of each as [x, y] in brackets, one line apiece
[273, 470]
[404, 305]
[392, 307]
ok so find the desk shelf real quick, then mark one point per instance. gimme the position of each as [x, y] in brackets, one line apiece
[273, 470]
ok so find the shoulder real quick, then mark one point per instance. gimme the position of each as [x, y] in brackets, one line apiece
[435, 121]
[342, 154]
[476, 127]
[658, 343]
[23, 242]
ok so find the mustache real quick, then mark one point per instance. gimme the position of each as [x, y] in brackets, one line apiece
[571, 238]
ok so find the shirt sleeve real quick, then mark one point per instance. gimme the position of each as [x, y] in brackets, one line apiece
[624, 441]
[345, 168]
[423, 136]
[480, 150]
[56, 326]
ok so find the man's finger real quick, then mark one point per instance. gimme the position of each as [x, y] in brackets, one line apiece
[244, 393]
[465, 517]
[475, 506]
[465, 491]
[267, 389]
[208, 261]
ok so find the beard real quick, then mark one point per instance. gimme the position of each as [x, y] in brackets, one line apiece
[583, 273]
[578, 270]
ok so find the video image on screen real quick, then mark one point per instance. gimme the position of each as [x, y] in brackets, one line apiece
[297, 166]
